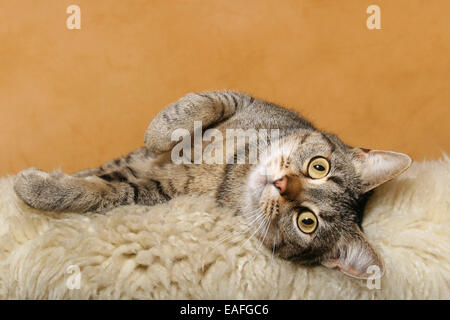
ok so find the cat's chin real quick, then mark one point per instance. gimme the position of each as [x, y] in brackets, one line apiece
[260, 184]
[260, 188]
[256, 184]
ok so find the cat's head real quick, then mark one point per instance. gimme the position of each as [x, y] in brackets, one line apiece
[307, 196]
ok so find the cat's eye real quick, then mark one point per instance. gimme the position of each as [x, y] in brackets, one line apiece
[318, 168]
[307, 222]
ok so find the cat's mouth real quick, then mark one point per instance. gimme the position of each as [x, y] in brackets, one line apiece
[262, 189]
[261, 182]
[258, 186]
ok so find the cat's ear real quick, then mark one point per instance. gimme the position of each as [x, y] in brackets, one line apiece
[356, 258]
[376, 166]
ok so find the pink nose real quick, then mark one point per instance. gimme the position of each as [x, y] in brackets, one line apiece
[281, 184]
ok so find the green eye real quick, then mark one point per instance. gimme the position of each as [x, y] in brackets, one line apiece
[318, 168]
[307, 222]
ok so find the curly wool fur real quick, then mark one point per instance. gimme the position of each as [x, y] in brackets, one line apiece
[191, 249]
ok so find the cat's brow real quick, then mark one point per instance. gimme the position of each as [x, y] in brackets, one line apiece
[329, 142]
[337, 180]
[305, 136]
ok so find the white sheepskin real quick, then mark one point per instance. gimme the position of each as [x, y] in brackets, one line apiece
[191, 249]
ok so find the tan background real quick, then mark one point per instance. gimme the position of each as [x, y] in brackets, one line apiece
[76, 98]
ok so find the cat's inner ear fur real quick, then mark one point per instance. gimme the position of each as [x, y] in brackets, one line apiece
[376, 166]
[355, 257]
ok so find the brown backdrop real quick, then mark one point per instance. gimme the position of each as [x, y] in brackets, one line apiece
[76, 98]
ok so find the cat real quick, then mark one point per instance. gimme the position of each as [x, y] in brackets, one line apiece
[306, 193]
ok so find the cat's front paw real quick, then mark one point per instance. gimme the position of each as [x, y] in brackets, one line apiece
[30, 184]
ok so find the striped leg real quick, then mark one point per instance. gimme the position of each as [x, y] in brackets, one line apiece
[61, 192]
[118, 182]
[210, 108]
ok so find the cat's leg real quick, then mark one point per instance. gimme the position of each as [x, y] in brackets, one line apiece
[118, 182]
[209, 108]
[61, 192]
[58, 191]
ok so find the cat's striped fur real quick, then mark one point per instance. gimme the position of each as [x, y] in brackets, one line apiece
[147, 176]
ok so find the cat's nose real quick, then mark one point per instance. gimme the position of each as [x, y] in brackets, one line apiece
[281, 184]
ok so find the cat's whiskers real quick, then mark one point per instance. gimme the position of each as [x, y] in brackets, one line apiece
[266, 230]
[228, 236]
[273, 253]
[254, 216]
[242, 232]
[265, 227]
[256, 230]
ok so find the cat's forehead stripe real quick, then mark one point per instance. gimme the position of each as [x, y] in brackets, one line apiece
[329, 142]
[337, 180]
[305, 136]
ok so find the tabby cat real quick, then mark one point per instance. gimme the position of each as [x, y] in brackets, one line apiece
[308, 189]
